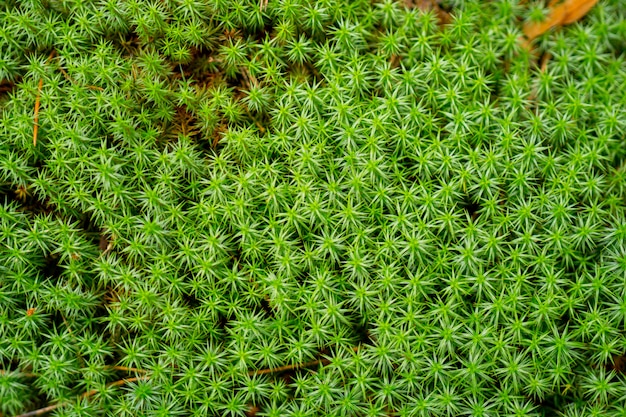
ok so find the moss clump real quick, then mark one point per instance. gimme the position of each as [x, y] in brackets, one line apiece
[298, 208]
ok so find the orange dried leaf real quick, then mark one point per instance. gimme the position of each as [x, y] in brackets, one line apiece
[577, 9]
[562, 14]
[555, 18]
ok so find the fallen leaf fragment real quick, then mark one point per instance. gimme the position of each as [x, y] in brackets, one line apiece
[564, 13]
[581, 8]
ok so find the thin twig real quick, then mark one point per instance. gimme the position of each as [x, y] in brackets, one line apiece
[115, 384]
[543, 65]
[38, 102]
[68, 78]
[69, 329]
[66, 75]
[127, 369]
[41, 411]
[87, 394]
[36, 117]
[289, 367]
[125, 381]
[294, 366]
[108, 367]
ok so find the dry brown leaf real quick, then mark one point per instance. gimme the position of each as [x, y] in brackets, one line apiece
[577, 10]
[564, 13]
[556, 16]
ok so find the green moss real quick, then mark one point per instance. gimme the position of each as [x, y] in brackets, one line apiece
[311, 208]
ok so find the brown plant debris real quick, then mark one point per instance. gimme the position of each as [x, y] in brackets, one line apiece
[564, 13]
[36, 115]
[38, 103]
[87, 394]
[426, 5]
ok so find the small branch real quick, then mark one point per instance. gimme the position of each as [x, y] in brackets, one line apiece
[109, 367]
[248, 78]
[114, 384]
[36, 117]
[38, 102]
[68, 78]
[289, 367]
[41, 411]
[125, 381]
[294, 366]
[127, 369]
[66, 75]
[69, 329]
[543, 65]
[87, 394]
